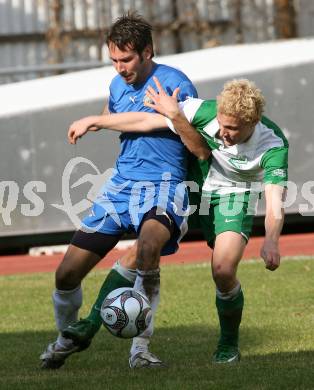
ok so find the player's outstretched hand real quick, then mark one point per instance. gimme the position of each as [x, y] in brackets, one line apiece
[161, 102]
[270, 254]
[79, 128]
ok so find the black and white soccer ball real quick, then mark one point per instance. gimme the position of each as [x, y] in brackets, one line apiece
[126, 312]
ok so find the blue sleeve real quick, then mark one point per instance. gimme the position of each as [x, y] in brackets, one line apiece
[111, 101]
[110, 105]
[187, 90]
[114, 91]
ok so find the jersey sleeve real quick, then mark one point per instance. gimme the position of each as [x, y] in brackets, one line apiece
[189, 108]
[114, 90]
[275, 165]
[111, 102]
[110, 105]
[205, 114]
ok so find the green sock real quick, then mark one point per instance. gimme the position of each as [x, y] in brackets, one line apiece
[113, 280]
[230, 314]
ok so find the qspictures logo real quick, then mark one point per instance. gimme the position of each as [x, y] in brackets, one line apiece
[143, 194]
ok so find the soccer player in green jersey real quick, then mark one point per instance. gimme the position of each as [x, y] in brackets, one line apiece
[249, 152]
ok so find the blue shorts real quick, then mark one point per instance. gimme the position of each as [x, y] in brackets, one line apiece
[122, 204]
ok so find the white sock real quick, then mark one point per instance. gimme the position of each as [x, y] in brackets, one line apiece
[63, 342]
[127, 273]
[140, 343]
[66, 306]
[230, 295]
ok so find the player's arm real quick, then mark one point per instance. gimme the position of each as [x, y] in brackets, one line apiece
[169, 107]
[141, 122]
[274, 218]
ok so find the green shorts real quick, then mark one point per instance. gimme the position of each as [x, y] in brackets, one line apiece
[221, 213]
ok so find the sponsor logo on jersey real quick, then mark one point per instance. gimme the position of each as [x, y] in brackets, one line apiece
[133, 99]
[279, 172]
[147, 100]
[238, 162]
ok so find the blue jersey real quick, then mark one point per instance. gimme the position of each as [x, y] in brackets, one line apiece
[148, 156]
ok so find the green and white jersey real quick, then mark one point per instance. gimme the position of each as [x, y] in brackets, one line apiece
[242, 167]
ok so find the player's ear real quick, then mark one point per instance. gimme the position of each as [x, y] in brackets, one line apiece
[148, 52]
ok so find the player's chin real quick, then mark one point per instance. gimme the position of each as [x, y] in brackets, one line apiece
[228, 143]
[129, 79]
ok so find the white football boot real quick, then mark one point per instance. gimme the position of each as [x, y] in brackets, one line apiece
[140, 357]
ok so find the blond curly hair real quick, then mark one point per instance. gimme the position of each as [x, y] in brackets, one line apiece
[242, 99]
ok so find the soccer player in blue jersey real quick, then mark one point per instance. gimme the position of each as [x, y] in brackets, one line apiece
[126, 204]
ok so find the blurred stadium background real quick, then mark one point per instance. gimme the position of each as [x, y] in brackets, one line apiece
[42, 42]
[44, 37]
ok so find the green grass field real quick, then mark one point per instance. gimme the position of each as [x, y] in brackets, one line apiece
[277, 330]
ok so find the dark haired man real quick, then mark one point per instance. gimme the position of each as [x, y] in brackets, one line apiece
[154, 158]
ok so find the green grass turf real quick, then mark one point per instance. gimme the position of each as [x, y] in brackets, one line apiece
[277, 330]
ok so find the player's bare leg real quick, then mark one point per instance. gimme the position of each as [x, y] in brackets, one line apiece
[152, 238]
[229, 247]
[67, 300]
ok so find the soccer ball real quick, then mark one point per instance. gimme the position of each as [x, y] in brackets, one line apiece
[126, 312]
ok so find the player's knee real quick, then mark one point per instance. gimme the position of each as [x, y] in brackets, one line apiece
[223, 274]
[67, 278]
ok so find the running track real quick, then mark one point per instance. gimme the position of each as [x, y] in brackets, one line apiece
[189, 252]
